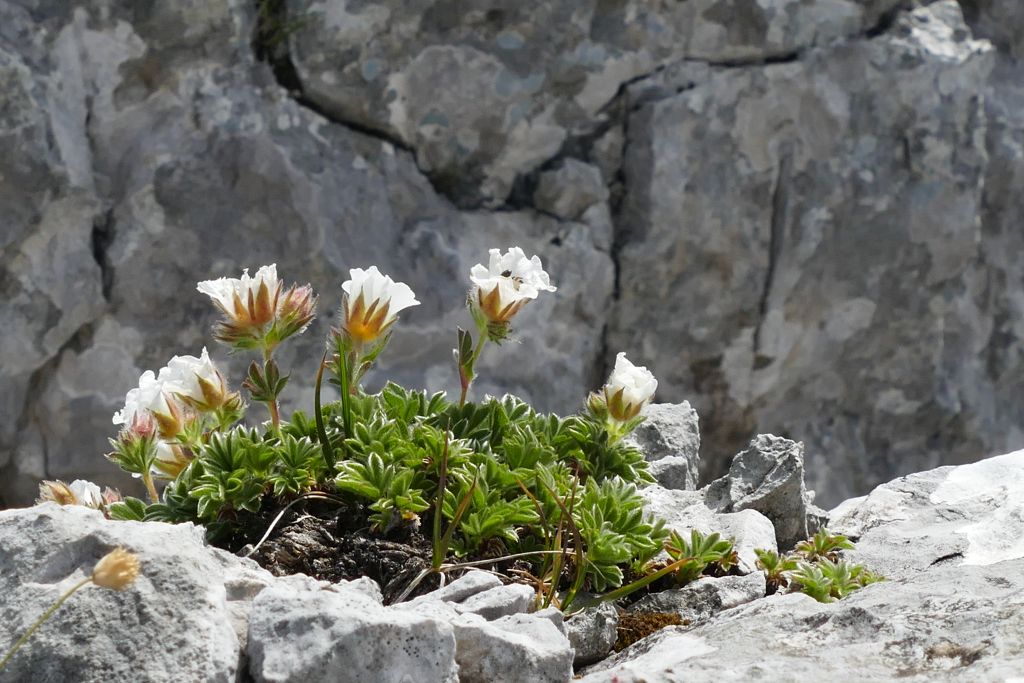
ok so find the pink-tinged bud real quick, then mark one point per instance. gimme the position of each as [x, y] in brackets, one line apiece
[297, 310]
[111, 496]
[142, 426]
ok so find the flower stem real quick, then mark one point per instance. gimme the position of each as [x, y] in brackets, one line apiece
[39, 622]
[272, 407]
[471, 374]
[147, 479]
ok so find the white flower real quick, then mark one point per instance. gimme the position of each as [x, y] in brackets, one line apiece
[258, 313]
[242, 296]
[628, 389]
[507, 283]
[87, 493]
[149, 397]
[372, 303]
[195, 380]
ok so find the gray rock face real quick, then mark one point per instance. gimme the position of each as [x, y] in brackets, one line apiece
[571, 189]
[185, 164]
[670, 440]
[484, 94]
[592, 633]
[951, 609]
[768, 477]
[836, 199]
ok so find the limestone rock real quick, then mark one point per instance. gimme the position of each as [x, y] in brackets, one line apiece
[670, 440]
[705, 597]
[345, 636]
[768, 477]
[569, 190]
[975, 618]
[951, 516]
[186, 612]
[592, 632]
[501, 601]
[685, 510]
[835, 198]
[484, 94]
[520, 647]
[948, 543]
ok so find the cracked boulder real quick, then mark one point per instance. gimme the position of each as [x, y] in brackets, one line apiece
[669, 438]
[769, 477]
[485, 93]
[825, 256]
[975, 632]
[592, 632]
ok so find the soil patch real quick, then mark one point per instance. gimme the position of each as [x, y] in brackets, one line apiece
[334, 542]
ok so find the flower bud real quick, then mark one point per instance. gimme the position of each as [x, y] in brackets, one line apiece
[629, 388]
[116, 570]
[56, 492]
[297, 309]
[170, 460]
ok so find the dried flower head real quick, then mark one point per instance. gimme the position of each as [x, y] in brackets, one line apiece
[55, 491]
[116, 570]
[504, 286]
[79, 492]
[372, 303]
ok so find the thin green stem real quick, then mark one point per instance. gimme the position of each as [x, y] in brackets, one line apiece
[39, 622]
[272, 406]
[471, 374]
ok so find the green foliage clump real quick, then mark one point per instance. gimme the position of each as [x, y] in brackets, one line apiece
[509, 473]
[815, 568]
[480, 480]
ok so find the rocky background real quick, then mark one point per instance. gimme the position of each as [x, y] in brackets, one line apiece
[801, 216]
